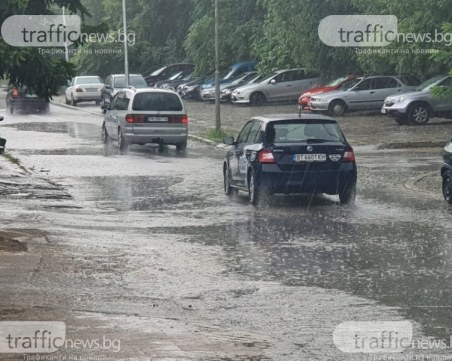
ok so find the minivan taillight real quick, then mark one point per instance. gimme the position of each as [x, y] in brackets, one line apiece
[349, 155]
[178, 119]
[134, 118]
[16, 92]
[266, 156]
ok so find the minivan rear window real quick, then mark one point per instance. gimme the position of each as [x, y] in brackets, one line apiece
[160, 102]
[302, 132]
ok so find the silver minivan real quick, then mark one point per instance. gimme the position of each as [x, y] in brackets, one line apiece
[140, 116]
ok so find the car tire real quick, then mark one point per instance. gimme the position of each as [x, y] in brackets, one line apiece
[181, 147]
[73, 101]
[419, 113]
[257, 99]
[123, 145]
[447, 186]
[66, 100]
[105, 136]
[11, 108]
[337, 108]
[348, 194]
[228, 190]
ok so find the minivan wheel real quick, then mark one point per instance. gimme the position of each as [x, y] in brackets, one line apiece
[447, 186]
[122, 142]
[337, 107]
[419, 113]
[181, 147]
[105, 136]
[257, 99]
[228, 190]
[348, 194]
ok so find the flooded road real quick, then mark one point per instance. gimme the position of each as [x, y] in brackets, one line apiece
[151, 233]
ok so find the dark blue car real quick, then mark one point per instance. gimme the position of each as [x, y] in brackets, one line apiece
[289, 154]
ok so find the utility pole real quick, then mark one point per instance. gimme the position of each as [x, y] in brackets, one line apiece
[217, 73]
[66, 52]
[126, 54]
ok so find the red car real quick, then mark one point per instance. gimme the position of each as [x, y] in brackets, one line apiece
[305, 98]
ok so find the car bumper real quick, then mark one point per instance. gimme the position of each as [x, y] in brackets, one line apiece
[319, 106]
[239, 99]
[394, 110]
[330, 182]
[86, 96]
[160, 136]
[29, 104]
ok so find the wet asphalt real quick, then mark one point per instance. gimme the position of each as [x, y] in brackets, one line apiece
[390, 253]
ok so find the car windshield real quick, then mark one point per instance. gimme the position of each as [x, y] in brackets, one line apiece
[158, 71]
[429, 83]
[135, 81]
[89, 80]
[336, 81]
[294, 132]
[159, 102]
[349, 84]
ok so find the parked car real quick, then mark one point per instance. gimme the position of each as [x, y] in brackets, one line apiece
[115, 82]
[24, 100]
[305, 98]
[84, 89]
[290, 154]
[446, 172]
[2, 141]
[420, 106]
[209, 92]
[140, 116]
[167, 71]
[362, 93]
[226, 76]
[190, 89]
[281, 85]
[226, 92]
[173, 82]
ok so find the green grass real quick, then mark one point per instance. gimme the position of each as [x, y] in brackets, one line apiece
[217, 136]
[10, 158]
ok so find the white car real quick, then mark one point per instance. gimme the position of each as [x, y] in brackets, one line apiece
[84, 89]
[281, 85]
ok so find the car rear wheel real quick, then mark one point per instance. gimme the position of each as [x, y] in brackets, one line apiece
[348, 194]
[257, 99]
[66, 100]
[447, 186]
[11, 108]
[122, 142]
[337, 107]
[419, 113]
[73, 101]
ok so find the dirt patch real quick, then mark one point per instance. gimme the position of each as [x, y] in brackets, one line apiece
[11, 245]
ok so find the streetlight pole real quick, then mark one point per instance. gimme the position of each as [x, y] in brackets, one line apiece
[126, 54]
[217, 73]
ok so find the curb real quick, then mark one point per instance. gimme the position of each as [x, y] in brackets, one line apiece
[420, 144]
[411, 184]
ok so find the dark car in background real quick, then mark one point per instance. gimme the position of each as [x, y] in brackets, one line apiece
[116, 82]
[446, 172]
[289, 154]
[167, 71]
[22, 99]
[173, 82]
[247, 78]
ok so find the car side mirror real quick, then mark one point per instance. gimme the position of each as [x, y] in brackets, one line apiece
[229, 140]
[273, 81]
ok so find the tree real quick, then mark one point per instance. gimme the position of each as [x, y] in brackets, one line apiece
[41, 73]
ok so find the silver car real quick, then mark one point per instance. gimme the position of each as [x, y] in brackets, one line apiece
[363, 93]
[419, 106]
[84, 89]
[281, 85]
[140, 116]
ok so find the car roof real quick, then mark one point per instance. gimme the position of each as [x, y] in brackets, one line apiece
[125, 75]
[148, 90]
[303, 117]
